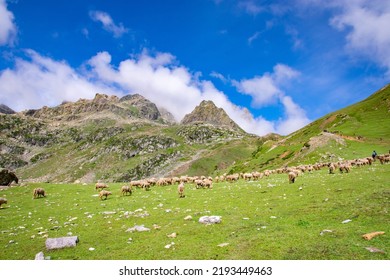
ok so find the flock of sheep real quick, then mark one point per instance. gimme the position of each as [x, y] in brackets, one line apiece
[207, 182]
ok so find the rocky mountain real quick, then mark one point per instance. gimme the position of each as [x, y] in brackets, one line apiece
[115, 139]
[207, 112]
[129, 107]
[6, 110]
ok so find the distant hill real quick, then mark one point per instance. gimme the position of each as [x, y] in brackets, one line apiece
[352, 132]
[4, 109]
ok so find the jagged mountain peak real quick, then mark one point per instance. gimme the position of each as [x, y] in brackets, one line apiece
[4, 109]
[208, 112]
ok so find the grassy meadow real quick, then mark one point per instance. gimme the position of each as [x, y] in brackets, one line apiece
[265, 219]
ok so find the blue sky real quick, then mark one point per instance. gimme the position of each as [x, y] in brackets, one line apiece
[274, 66]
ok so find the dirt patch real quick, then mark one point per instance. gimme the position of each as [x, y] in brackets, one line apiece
[327, 121]
[324, 138]
[285, 154]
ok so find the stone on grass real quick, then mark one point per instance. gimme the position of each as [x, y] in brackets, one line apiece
[39, 256]
[138, 228]
[210, 220]
[61, 242]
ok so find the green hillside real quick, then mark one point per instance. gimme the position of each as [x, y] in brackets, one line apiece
[349, 133]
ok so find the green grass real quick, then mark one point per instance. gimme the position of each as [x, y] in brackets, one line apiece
[266, 219]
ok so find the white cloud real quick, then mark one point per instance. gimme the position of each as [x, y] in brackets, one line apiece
[253, 37]
[266, 90]
[41, 81]
[8, 28]
[219, 76]
[367, 25]
[108, 23]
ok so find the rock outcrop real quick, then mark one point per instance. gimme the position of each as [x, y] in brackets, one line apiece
[4, 109]
[207, 112]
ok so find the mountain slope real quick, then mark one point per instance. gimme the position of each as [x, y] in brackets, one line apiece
[352, 132]
[106, 138]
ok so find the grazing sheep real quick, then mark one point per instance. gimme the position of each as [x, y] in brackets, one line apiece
[39, 192]
[145, 185]
[100, 186]
[233, 177]
[291, 177]
[104, 193]
[344, 167]
[331, 168]
[2, 201]
[180, 190]
[207, 183]
[126, 190]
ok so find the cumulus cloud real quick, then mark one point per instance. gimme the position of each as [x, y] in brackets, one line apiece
[267, 89]
[366, 23]
[38, 81]
[8, 28]
[108, 23]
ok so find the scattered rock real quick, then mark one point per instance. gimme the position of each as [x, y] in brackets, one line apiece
[39, 256]
[138, 228]
[210, 220]
[169, 245]
[188, 218]
[346, 221]
[325, 231]
[108, 212]
[375, 250]
[172, 235]
[369, 236]
[61, 242]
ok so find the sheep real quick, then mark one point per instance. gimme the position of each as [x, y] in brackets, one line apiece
[126, 190]
[2, 201]
[198, 183]
[233, 177]
[39, 192]
[180, 190]
[104, 193]
[291, 177]
[100, 186]
[344, 167]
[145, 185]
[207, 183]
[331, 168]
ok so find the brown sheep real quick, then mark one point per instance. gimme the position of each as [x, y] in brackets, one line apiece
[207, 183]
[2, 201]
[100, 186]
[104, 193]
[39, 192]
[180, 190]
[126, 190]
[331, 168]
[344, 167]
[291, 177]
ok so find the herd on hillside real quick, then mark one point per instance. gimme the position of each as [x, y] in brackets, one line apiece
[207, 182]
